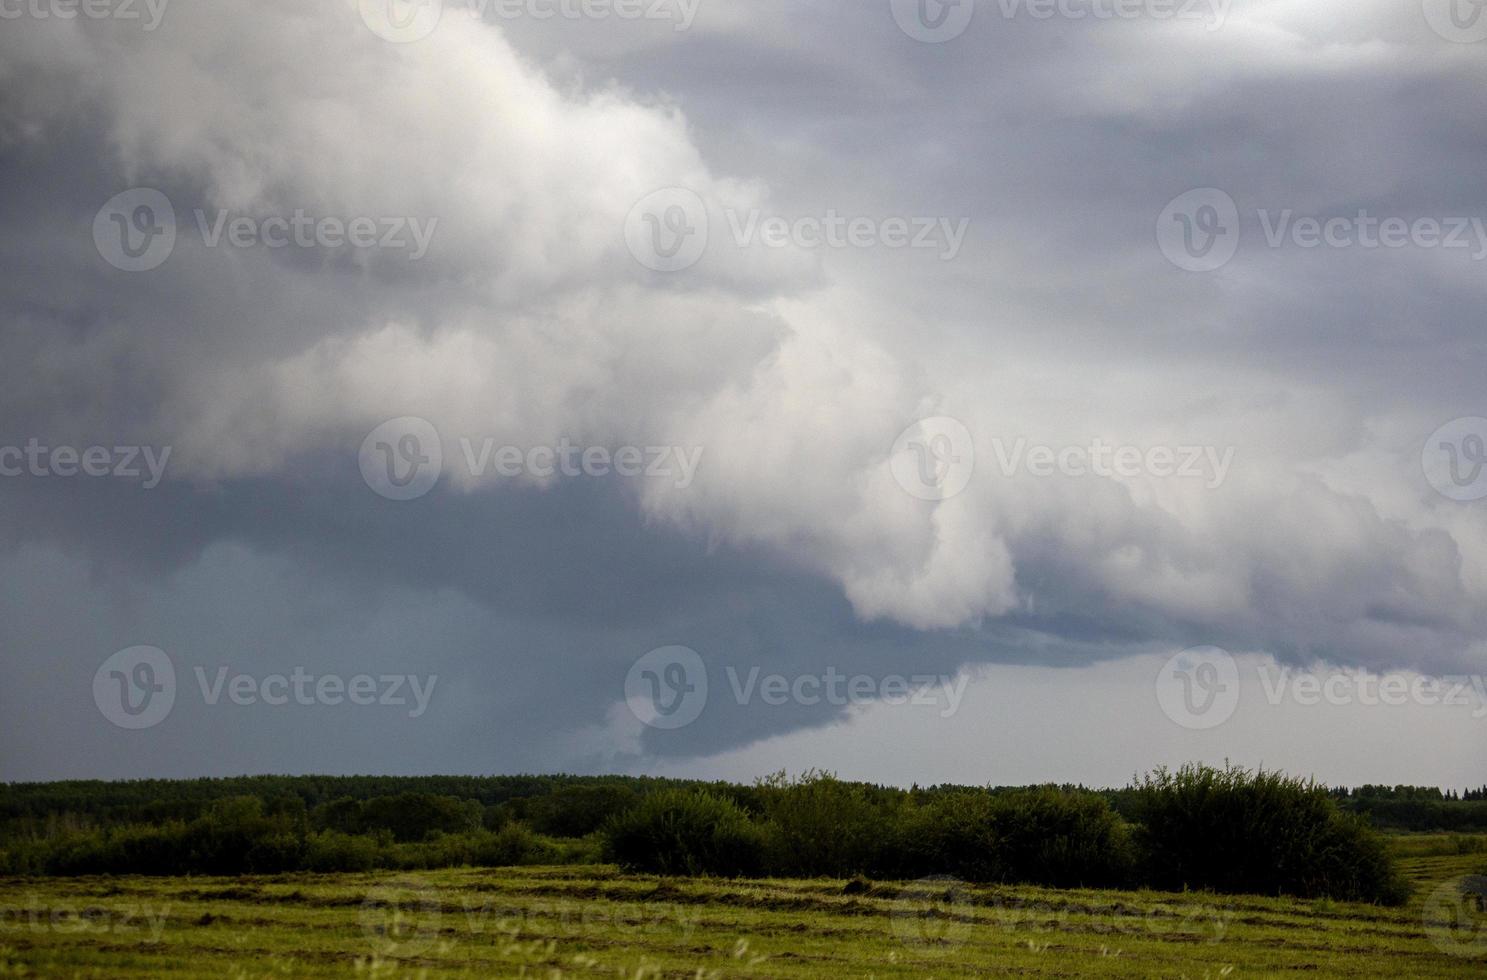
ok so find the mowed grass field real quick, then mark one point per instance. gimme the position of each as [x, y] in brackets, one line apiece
[598, 922]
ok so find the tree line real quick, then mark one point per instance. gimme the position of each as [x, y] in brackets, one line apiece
[1226, 830]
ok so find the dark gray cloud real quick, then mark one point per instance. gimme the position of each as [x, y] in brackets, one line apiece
[1059, 321]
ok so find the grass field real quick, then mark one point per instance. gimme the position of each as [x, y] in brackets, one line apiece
[597, 922]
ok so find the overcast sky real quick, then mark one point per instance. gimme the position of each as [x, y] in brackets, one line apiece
[996, 391]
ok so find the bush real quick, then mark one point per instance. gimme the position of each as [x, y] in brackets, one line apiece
[331, 850]
[681, 832]
[1038, 836]
[1233, 831]
[576, 811]
[408, 816]
[819, 825]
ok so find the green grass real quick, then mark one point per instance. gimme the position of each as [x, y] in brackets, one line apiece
[597, 922]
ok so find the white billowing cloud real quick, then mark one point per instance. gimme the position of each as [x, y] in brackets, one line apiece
[529, 321]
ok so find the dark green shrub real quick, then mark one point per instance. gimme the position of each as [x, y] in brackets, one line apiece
[685, 832]
[819, 825]
[1037, 836]
[512, 845]
[574, 811]
[417, 816]
[1230, 830]
[331, 850]
[342, 815]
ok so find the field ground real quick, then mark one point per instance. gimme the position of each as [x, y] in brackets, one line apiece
[597, 922]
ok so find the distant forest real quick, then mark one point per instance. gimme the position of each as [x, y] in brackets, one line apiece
[572, 806]
[1224, 830]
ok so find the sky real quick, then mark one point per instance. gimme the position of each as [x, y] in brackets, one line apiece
[995, 391]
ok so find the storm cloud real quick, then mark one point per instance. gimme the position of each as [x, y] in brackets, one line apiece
[1296, 386]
